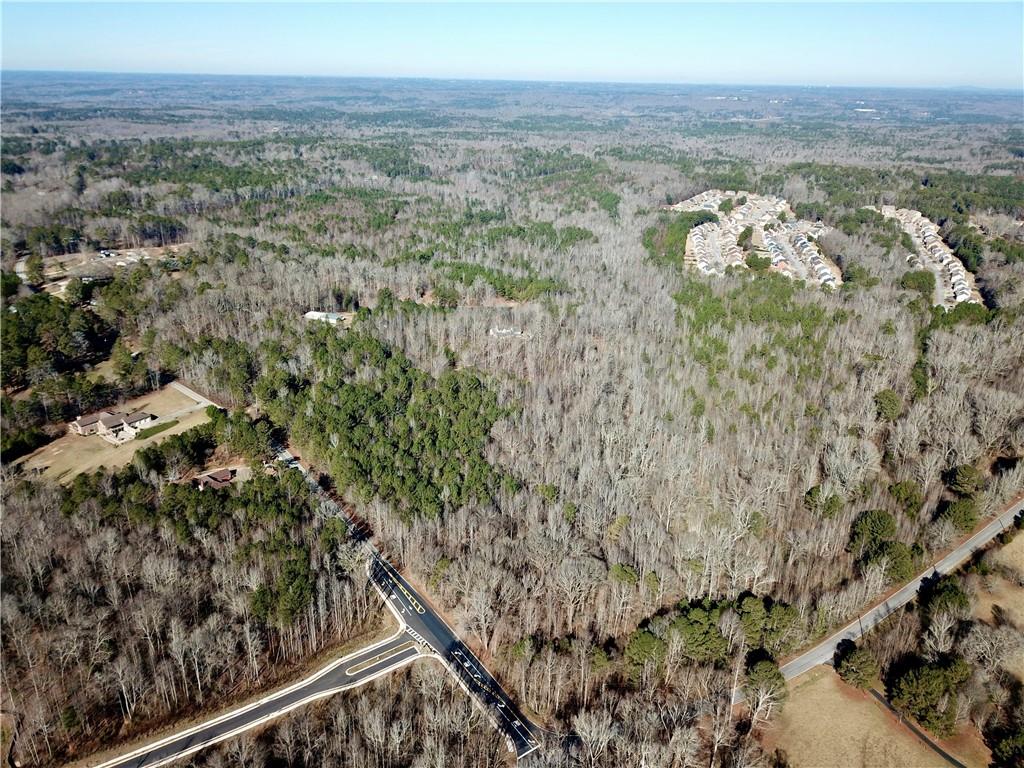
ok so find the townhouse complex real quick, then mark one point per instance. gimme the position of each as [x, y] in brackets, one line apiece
[953, 283]
[774, 233]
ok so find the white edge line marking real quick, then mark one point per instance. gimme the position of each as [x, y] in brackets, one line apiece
[265, 699]
[471, 656]
[491, 714]
[273, 716]
[307, 681]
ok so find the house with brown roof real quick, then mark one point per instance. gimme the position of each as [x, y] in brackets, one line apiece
[114, 427]
[86, 425]
[219, 478]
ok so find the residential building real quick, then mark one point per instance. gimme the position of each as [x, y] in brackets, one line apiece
[114, 427]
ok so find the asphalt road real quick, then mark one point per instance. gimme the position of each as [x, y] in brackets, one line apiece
[348, 672]
[422, 633]
[426, 626]
[824, 651]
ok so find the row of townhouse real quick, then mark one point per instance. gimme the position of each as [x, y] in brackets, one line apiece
[824, 273]
[794, 256]
[755, 209]
[778, 253]
[758, 210]
[934, 255]
[712, 250]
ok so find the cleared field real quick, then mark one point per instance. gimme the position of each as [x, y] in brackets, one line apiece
[1012, 555]
[1009, 597]
[71, 454]
[102, 370]
[828, 724]
[998, 591]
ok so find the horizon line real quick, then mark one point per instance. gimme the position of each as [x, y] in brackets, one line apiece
[540, 81]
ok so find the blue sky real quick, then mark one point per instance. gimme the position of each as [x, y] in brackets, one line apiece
[916, 44]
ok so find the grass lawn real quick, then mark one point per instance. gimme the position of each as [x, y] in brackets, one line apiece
[998, 591]
[102, 370]
[156, 429]
[71, 454]
[828, 724]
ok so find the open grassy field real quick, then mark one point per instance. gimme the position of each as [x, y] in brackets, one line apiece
[71, 454]
[1012, 555]
[1008, 595]
[828, 724]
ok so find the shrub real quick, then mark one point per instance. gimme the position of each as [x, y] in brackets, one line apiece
[765, 675]
[963, 513]
[645, 648]
[888, 404]
[871, 528]
[156, 429]
[966, 480]
[745, 237]
[702, 639]
[1009, 751]
[946, 595]
[898, 559]
[758, 263]
[624, 574]
[858, 668]
[666, 243]
[446, 296]
[827, 506]
[908, 495]
[929, 695]
[921, 281]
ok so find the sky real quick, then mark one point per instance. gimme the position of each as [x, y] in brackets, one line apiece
[917, 44]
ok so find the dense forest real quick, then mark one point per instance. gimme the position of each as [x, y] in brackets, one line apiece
[629, 487]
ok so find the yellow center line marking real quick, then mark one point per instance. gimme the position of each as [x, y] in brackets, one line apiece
[417, 606]
[357, 668]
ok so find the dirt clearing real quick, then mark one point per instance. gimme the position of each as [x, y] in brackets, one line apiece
[71, 454]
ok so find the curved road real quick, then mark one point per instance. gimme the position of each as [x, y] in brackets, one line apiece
[429, 628]
[422, 633]
[344, 673]
[824, 651]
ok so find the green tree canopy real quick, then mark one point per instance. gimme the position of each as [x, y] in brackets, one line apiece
[908, 495]
[967, 480]
[929, 695]
[765, 675]
[858, 668]
[869, 529]
[697, 625]
[947, 595]
[921, 281]
[888, 405]
[962, 513]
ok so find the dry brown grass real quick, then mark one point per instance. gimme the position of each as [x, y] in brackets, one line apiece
[103, 370]
[1009, 597]
[828, 724]
[1006, 594]
[71, 454]
[1012, 555]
